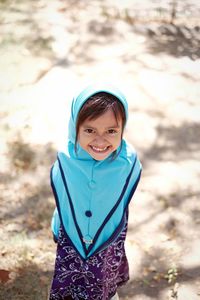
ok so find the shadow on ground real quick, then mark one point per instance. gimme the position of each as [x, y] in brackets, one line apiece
[28, 185]
[174, 143]
[153, 285]
[31, 282]
[175, 40]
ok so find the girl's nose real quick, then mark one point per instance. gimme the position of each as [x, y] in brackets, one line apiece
[100, 140]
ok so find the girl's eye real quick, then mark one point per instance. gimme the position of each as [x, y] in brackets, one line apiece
[89, 130]
[112, 131]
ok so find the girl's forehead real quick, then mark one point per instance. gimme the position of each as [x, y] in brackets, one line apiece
[106, 120]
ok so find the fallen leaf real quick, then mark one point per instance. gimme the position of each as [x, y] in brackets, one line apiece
[4, 276]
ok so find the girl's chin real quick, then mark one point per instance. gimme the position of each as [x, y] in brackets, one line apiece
[99, 158]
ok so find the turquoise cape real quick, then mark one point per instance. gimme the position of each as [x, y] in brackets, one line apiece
[92, 196]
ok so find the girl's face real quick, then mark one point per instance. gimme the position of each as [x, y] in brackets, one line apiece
[102, 136]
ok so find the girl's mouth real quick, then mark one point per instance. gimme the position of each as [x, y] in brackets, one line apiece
[99, 150]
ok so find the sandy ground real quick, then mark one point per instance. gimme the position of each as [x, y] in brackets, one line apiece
[158, 68]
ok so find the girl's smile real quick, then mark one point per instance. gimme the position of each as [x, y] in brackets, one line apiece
[99, 151]
[102, 150]
[102, 136]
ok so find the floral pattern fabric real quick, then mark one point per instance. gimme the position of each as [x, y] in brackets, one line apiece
[97, 278]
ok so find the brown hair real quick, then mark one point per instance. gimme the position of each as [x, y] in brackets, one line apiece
[96, 106]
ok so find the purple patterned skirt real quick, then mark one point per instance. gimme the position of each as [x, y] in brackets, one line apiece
[94, 279]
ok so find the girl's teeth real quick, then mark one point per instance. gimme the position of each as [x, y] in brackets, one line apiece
[99, 149]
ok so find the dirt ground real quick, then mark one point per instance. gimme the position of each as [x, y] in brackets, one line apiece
[49, 50]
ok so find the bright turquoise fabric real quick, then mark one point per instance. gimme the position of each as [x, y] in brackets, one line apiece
[93, 186]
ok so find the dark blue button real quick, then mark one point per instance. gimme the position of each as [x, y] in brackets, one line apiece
[88, 213]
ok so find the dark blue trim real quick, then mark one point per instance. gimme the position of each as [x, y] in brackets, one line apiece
[133, 188]
[72, 208]
[114, 235]
[59, 212]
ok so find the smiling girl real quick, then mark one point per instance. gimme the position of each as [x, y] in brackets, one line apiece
[93, 183]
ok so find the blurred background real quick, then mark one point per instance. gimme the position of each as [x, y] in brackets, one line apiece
[151, 50]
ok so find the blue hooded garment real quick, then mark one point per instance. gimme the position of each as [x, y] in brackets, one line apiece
[92, 196]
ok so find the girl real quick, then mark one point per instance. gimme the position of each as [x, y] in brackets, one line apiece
[93, 182]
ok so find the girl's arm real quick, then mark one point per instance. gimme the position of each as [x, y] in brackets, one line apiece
[55, 225]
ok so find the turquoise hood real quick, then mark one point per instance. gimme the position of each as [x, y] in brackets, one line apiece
[92, 196]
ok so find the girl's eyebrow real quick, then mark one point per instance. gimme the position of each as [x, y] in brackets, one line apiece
[110, 127]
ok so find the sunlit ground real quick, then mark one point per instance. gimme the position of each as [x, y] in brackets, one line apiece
[48, 52]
